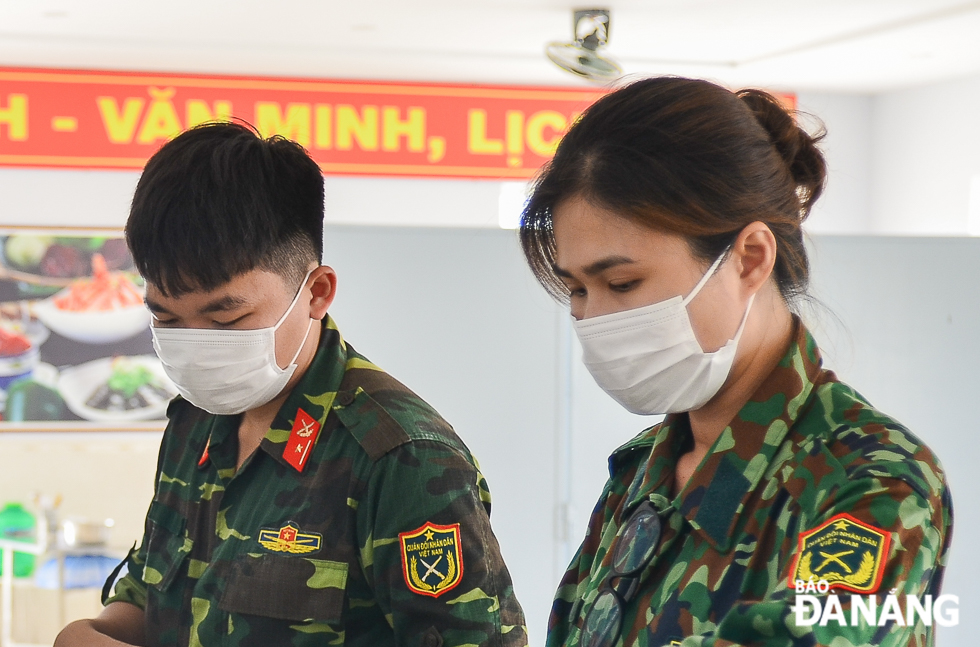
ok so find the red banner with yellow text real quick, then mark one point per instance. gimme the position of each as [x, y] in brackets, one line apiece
[117, 120]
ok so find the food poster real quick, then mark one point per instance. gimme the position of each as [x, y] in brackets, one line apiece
[75, 345]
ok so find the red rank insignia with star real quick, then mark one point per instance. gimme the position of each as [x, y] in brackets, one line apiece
[302, 439]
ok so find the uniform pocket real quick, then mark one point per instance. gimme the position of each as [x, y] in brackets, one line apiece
[167, 547]
[286, 588]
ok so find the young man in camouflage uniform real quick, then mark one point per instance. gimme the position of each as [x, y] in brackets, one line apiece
[303, 496]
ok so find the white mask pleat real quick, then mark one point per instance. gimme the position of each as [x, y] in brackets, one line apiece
[649, 360]
[227, 371]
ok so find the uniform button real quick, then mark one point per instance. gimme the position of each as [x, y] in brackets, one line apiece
[432, 638]
[345, 398]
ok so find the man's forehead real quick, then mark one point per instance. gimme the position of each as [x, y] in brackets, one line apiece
[245, 289]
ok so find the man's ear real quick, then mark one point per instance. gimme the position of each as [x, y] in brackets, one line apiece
[755, 252]
[324, 288]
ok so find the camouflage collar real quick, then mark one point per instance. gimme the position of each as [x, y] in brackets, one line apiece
[324, 373]
[723, 483]
[323, 378]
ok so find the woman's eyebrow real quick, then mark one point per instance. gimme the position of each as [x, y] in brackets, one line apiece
[597, 267]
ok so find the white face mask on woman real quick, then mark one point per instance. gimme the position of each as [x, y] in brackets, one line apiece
[649, 360]
[226, 371]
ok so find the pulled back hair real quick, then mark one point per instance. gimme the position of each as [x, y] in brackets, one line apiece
[690, 158]
[218, 201]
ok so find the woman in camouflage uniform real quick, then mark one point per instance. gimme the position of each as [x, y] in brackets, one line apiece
[670, 221]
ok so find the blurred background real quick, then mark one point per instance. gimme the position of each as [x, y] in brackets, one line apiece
[432, 284]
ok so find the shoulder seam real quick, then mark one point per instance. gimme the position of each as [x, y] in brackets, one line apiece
[377, 439]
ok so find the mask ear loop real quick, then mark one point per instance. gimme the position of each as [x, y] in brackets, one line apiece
[295, 300]
[745, 318]
[707, 275]
[309, 326]
[704, 279]
[301, 344]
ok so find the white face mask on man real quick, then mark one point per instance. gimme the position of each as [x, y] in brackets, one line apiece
[649, 360]
[226, 371]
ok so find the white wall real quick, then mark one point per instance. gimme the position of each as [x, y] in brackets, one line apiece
[54, 197]
[845, 206]
[925, 152]
[411, 202]
[36, 197]
[900, 163]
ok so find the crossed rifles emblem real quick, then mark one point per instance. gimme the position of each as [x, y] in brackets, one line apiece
[835, 557]
[305, 432]
[431, 568]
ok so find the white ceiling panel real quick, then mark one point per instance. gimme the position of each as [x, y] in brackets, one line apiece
[834, 45]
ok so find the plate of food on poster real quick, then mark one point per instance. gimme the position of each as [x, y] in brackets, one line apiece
[102, 308]
[40, 264]
[117, 389]
[75, 343]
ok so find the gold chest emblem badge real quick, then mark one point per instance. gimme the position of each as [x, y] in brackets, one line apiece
[289, 539]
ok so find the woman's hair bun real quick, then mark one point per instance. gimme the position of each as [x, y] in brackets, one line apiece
[797, 147]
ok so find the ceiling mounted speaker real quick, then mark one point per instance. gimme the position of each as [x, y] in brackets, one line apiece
[581, 57]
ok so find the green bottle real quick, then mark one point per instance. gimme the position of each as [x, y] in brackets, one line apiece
[18, 524]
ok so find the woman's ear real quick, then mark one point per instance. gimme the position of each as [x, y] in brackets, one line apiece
[755, 254]
[324, 289]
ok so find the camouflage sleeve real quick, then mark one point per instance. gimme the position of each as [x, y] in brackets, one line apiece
[429, 553]
[130, 587]
[904, 560]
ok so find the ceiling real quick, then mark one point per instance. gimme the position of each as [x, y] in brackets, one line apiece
[860, 46]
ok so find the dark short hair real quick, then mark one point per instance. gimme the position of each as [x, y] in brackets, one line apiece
[687, 157]
[218, 201]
